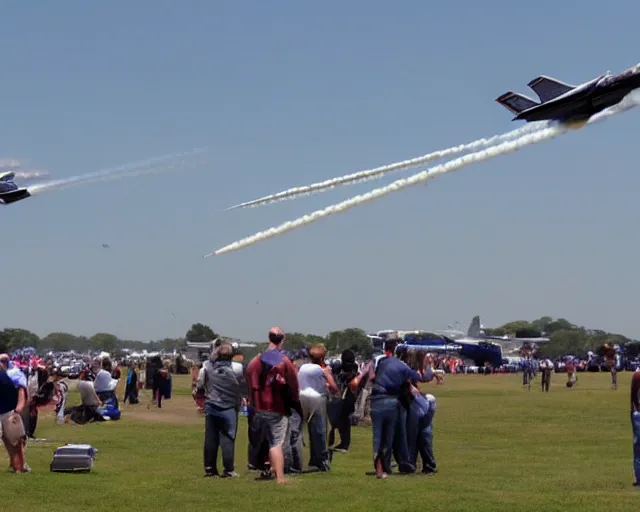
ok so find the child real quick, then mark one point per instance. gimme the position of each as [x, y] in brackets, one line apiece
[425, 409]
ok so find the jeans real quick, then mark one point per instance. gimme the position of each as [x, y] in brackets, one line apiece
[384, 417]
[420, 438]
[221, 427]
[635, 424]
[400, 441]
[293, 446]
[317, 428]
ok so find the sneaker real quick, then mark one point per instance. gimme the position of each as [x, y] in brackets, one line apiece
[210, 473]
[340, 450]
[229, 474]
[25, 469]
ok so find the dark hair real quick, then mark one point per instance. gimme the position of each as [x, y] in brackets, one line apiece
[390, 345]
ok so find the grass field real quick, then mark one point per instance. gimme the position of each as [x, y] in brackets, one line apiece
[498, 447]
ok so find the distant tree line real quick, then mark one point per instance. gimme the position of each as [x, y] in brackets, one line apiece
[16, 338]
[565, 338]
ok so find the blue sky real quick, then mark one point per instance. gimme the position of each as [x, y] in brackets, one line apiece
[287, 93]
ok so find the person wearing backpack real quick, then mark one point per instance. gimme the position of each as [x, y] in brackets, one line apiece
[223, 399]
[273, 393]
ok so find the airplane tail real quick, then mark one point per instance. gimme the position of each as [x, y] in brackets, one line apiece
[548, 88]
[515, 102]
[474, 327]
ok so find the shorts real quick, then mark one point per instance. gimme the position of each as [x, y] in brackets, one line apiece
[12, 429]
[274, 426]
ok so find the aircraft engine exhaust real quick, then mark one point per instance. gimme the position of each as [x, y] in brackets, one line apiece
[421, 177]
[152, 165]
[379, 172]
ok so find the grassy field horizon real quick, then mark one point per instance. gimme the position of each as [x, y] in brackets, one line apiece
[498, 445]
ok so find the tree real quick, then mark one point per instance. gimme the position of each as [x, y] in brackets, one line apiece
[521, 329]
[560, 325]
[574, 342]
[351, 338]
[542, 323]
[15, 338]
[295, 340]
[200, 333]
[104, 341]
[4, 342]
[62, 341]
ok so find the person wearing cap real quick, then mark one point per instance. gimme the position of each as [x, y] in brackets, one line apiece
[635, 424]
[273, 392]
[13, 399]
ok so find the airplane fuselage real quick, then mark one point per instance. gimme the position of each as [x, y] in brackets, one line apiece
[578, 105]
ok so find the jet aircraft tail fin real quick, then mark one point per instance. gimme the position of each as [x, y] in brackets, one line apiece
[474, 327]
[548, 88]
[515, 102]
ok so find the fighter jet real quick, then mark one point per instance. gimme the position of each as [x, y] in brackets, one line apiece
[571, 105]
[9, 191]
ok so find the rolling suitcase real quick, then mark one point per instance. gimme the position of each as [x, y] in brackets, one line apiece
[73, 458]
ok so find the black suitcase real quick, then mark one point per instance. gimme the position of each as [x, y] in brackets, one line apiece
[73, 458]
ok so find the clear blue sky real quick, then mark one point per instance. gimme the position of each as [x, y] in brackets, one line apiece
[287, 93]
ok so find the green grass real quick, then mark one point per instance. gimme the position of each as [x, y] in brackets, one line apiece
[498, 447]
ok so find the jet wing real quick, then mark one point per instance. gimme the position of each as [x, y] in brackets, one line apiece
[14, 195]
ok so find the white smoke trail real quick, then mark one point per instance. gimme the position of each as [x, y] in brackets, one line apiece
[30, 175]
[379, 172]
[450, 166]
[152, 165]
[9, 163]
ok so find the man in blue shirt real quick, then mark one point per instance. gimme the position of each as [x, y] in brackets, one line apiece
[392, 380]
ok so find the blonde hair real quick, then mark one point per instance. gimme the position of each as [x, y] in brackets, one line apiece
[317, 353]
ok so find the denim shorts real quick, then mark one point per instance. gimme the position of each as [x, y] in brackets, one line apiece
[274, 425]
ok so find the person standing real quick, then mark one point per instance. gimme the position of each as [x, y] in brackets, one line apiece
[546, 366]
[635, 424]
[315, 380]
[273, 393]
[223, 400]
[13, 400]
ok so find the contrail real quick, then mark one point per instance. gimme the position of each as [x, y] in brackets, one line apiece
[9, 163]
[30, 175]
[158, 164]
[379, 172]
[450, 166]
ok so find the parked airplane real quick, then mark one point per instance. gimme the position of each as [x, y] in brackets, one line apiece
[479, 350]
[571, 105]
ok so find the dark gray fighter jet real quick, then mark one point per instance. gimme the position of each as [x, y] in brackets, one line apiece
[9, 191]
[571, 105]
